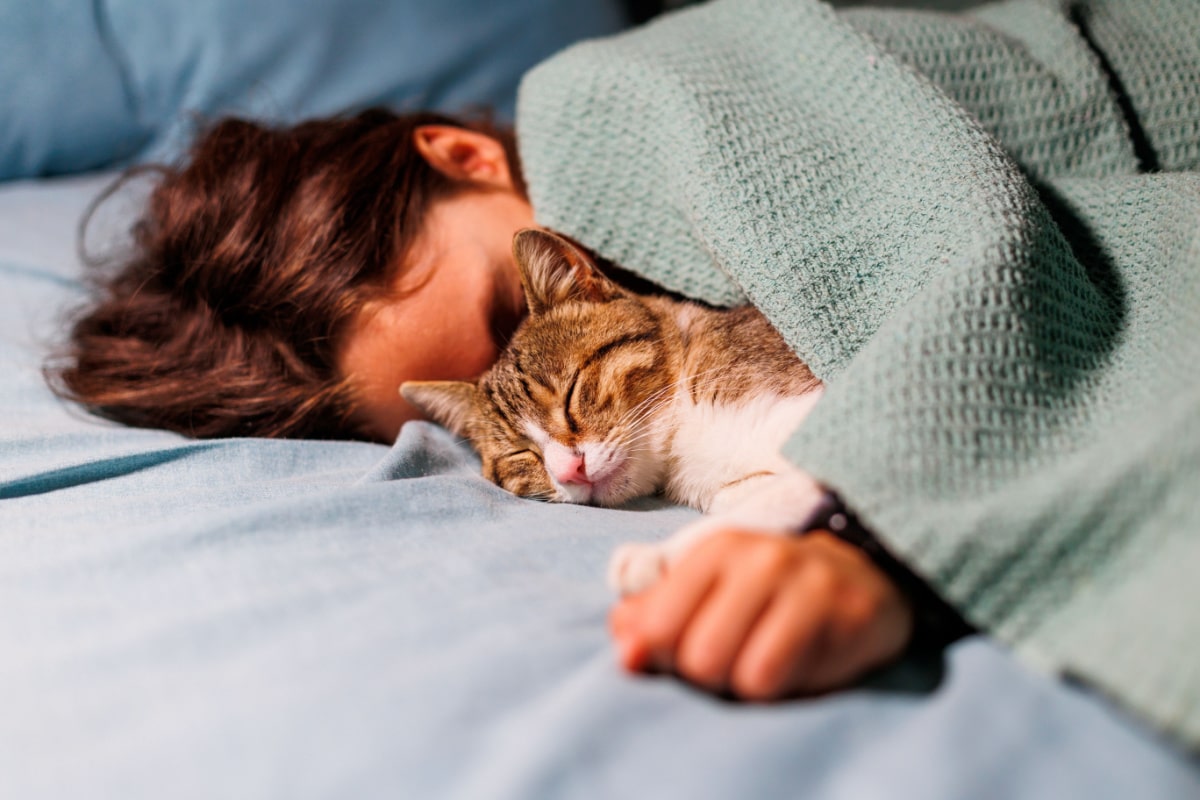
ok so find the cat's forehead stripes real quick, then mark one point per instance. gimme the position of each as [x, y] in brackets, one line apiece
[524, 371]
[621, 341]
[598, 355]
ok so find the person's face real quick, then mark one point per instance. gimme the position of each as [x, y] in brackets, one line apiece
[459, 301]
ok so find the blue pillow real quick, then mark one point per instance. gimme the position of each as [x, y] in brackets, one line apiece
[109, 81]
[64, 106]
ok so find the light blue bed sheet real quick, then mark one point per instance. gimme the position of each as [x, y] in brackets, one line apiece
[251, 618]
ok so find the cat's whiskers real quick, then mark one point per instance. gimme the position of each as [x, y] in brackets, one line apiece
[633, 442]
[646, 406]
[544, 496]
[657, 400]
[628, 428]
[652, 403]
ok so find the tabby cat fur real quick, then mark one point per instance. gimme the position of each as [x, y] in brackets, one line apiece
[603, 395]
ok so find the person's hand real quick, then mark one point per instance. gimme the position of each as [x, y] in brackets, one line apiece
[763, 616]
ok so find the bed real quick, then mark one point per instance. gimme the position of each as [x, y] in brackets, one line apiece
[263, 618]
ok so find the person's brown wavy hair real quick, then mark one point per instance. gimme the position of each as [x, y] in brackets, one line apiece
[249, 259]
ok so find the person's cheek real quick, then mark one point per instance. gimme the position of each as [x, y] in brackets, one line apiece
[483, 342]
[476, 354]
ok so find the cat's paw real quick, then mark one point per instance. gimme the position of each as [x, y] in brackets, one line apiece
[635, 567]
[523, 475]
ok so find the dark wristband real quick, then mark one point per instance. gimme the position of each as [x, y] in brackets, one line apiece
[935, 622]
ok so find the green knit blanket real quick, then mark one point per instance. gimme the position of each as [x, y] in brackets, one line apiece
[983, 232]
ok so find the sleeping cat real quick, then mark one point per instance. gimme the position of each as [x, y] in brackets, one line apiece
[604, 395]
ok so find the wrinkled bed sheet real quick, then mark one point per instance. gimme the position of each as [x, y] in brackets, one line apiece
[255, 618]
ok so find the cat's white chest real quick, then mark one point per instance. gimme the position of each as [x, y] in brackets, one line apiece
[716, 446]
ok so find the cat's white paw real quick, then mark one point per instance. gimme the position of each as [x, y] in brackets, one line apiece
[635, 567]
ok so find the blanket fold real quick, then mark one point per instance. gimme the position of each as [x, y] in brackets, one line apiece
[946, 217]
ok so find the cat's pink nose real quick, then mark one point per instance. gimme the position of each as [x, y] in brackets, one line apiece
[571, 470]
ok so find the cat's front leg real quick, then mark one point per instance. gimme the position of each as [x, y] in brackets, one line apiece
[780, 502]
[636, 566]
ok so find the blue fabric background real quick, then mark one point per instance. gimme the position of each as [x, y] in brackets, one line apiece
[89, 84]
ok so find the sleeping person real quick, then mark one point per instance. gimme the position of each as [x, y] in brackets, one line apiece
[267, 298]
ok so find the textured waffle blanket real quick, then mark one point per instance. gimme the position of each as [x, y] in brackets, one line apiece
[983, 231]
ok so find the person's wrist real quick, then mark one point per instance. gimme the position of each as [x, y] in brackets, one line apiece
[934, 623]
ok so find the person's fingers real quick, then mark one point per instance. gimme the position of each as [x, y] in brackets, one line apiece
[647, 626]
[719, 626]
[765, 616]
[623, 625]
[872, 626]
[790, 637]
[837, 618]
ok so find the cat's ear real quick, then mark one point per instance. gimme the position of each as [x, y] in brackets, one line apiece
[554, 271]
[451, 404]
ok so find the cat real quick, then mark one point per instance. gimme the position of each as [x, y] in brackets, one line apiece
[603, 395]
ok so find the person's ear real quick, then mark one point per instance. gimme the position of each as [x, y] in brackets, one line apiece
[464, 155]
